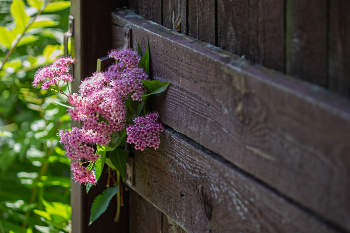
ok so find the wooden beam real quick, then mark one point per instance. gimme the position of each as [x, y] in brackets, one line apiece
[202, 193]
[290, 135]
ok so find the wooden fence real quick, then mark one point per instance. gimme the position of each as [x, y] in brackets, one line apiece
[246, 148]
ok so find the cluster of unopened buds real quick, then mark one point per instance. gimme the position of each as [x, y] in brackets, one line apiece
[101, 107]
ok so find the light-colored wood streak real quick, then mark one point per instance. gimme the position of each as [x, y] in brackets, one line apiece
[202, 193]
[289, 134]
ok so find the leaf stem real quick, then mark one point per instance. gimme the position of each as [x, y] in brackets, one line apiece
[14, 45]
[117, 215]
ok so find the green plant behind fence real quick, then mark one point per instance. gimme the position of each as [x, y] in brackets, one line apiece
[34, 173]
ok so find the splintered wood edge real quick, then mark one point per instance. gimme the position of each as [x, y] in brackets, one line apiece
[334, 109]
[202, 193]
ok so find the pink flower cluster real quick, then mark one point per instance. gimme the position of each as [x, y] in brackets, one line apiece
[145, 132]
[52, 75]
[100, 106]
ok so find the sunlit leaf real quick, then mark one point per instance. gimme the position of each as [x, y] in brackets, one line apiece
[154, 87]
[44, 23]
[43, 214]
[35, 3]
[27, 39]
[6, 37]
[18, 13]
[101, 202]
[57, 6]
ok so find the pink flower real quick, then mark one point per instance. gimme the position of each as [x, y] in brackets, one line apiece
[53, 74]
[82, 174]
[129, 57]
[145, 132]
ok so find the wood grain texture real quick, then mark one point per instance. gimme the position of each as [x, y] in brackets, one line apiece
[143, 216]
[253, 29]
[202, 193]
[151, 10]
[306, 40]
[289, 134]
[201, 20]
[169, 226]
[174, 10]
[339, 60]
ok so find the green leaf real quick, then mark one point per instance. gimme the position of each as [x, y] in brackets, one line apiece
[101, 202]
[43, 214]
[98, 165]
[57, 6]
[144, 61]
[118, 158]
[27, 40]
[36, 4]
[18, 13]
[64, 105]
[6, 37]
[110, 164]
[154, 87]
[44, 23]
[114, 139]
[139, 52]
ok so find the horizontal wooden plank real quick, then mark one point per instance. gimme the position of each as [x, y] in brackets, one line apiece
[202, 193]
[291, 135]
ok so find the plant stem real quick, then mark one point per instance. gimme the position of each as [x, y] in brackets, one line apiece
[14, 45]
[116, 218]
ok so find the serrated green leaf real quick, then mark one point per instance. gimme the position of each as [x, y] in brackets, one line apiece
[101, 202]
[57, 6]
[118, 158]
[154, 87]
[35, 3]
[18, 13]
[43, 214]
[6, 37]
[27, 40]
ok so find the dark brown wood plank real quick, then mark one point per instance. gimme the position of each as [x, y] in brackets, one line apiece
[202, 193]
[143, 216]
[291, 135]
[169, 226]
[151, 10]
[306, 40]
[253, 29]
[201, 20]
[174, 11]
[339, 60]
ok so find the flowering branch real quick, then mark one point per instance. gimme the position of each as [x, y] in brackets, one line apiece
[109, 105]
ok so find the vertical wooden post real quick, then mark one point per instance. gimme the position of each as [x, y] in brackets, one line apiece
[92, 39]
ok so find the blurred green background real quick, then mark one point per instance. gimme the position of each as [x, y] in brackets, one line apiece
[34, 172]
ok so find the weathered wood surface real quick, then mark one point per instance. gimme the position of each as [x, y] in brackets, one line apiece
[201, 20]
[291, 135]
[254, 29]
[151, 9]
[174, 11]
[203, 193]
[144, 217]
[306, 40]
[339, 59]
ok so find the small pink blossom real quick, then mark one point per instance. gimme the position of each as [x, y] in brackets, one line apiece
[82, 174]
[145, 132]
[128, 57]
[53, 74]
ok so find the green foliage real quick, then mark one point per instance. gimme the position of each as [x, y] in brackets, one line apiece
[101, 202]
[32, 160]
[118, 159]
[144, 62]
